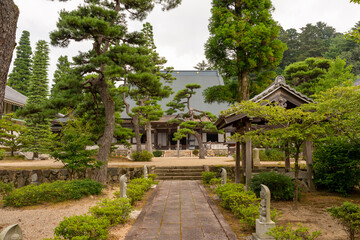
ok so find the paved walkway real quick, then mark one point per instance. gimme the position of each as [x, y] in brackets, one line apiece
[180, 210]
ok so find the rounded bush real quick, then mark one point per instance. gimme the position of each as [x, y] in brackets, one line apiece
[115, 210]
[281, 186]
[207, 176]
[143, 156]
[157, 153]
[271, 155]
[52, 192]
[336, 166]
[84, 227]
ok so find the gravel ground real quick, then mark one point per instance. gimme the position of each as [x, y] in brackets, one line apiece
[38, 222]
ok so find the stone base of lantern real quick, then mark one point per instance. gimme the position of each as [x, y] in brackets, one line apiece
[261, 229]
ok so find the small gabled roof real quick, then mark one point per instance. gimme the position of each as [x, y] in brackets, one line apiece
[280, 84]
[278, 91]
[14, 97]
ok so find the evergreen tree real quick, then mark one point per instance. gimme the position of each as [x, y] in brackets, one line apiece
[116, 55]
[191, 121]
[243, 40]
[19, 79]
[38, 125]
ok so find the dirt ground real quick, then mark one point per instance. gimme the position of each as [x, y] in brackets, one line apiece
[310, 213]
[38, 222]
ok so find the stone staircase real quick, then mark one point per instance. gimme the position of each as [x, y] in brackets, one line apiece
[179, 173]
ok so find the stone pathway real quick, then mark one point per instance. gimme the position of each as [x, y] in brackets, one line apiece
[180, 210]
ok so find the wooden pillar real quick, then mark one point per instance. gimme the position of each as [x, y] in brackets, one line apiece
[237, 163]
[248, 157]
[156, 138]
[287, 158]
[308, 150]
[178, 144]
[187, 142]
[169, 138]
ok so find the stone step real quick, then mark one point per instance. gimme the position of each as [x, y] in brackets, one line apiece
[177, 170]
[182, 167]
[178, 173]
[179, 178]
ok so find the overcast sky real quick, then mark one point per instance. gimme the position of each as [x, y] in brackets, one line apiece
[180, 34]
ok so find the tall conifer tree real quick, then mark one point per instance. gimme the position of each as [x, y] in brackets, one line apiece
[19, 79]
[38, 125]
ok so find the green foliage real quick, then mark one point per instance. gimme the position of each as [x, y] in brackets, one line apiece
[207, 176]
[6, 188]
[84, 227]
[305, 75]
[52, 192]
[71, 149]
[19, 78]
[271, 154]
[288, 233]
[244, 204]
[137, 188]
[248, 31]
[281, 186]
[143, 156]
[2, 154]
[195, 152]
[336, 165]
[215, 181]
[115, 210]
[348, 215]
[152, 176]
[38, 133]
[157, 153]
[12, 133]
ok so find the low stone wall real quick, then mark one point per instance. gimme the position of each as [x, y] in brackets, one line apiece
[22, 178]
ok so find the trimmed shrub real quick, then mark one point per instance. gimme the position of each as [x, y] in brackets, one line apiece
[207, 176]
[195, 152]
[52, 192]
[152, 176]
[6, 188]
[336, 166]
[157, 153]
[215, 181]
[244, 204]
[281, 186]
[288, 233]
[272, 154]
[143, 156]
[136, 189]
[115, 210]
[84, 227]
[348, 215]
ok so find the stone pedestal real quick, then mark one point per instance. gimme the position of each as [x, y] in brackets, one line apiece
[261, 229]
[256, 157]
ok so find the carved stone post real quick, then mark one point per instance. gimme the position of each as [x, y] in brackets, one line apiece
[264, 223]
[145, 172]
[123, 186]
[223, 176]
[256, 157]
[12, 232]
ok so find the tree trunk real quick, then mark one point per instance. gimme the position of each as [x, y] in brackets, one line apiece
[237, 163]
[148, 137]
[9, 14]
[106, 139]
[135, 120]
[287, 158]
[35, 155]
[308, 150]
[202, 150]
[296, 194]
[243, 87]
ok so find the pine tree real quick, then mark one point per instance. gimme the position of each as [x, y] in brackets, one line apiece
[115, 55]
[19, 79]
[38, 125]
